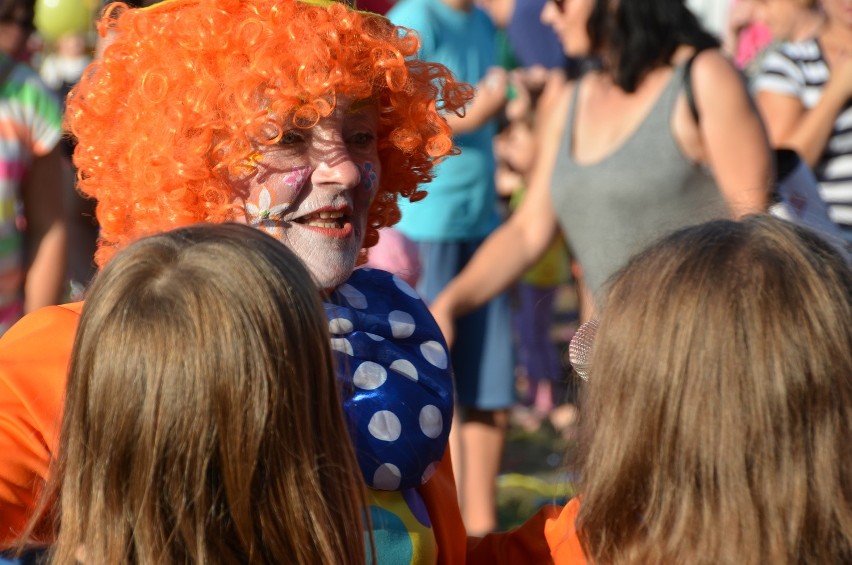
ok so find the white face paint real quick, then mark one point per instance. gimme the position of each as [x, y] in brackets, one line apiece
[313, 189]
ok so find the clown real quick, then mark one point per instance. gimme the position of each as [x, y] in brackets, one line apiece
[306, 119]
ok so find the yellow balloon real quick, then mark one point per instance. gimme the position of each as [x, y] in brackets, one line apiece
[55, 18]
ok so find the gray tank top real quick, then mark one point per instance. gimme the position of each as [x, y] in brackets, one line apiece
[644, 189]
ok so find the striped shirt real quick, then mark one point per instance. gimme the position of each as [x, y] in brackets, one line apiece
[800, 70]
[30, 126]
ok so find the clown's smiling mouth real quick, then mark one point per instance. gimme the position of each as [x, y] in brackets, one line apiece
[329, 220]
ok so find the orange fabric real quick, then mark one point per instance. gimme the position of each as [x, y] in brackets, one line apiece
[34, 357]
[525, 544]
[441, 500]
[562, 536]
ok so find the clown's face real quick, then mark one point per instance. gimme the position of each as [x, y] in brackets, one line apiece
[313, 189]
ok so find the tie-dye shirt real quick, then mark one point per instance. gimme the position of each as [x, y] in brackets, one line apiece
[30, 126]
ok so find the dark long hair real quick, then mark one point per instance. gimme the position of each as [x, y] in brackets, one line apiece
[636, 36]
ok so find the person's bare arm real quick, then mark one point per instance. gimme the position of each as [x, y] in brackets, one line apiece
[490, 98]
[732, 133]
[791, 125]
[46, 231]
[514, 246]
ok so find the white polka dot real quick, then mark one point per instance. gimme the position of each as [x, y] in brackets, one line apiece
[339, 326]
[387, 477]
[405, 367]
[401, 323]
[374, 337]
[431, 421]
[404, 287]
[354, 297]
[369, 376]
[429, 472]
[342, 345]
[434, 353]
[384, 425]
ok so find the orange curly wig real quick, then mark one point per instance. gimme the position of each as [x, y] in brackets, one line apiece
[168, 115]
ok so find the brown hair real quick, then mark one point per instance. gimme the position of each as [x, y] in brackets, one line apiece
[717, 424]
[202, 421]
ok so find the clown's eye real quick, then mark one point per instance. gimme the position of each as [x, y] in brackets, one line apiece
[362, 138]
[291, 137]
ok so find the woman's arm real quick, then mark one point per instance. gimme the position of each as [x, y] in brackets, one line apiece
[732, 134]
[489, 99]
[791, 125]
[515, 245]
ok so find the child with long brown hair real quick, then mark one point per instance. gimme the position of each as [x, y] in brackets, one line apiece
[203, 421]
[717, 421]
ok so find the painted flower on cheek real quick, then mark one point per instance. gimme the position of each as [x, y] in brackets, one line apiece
[267, 211]
[264, 216]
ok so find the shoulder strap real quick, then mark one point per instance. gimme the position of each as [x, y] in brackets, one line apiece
[687, 86]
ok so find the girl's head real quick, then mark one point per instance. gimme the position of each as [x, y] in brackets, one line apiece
[718, 415]
[783, 17]
[264, 111]
[202, 421]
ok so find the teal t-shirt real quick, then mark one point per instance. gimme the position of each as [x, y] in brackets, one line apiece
[462, 202]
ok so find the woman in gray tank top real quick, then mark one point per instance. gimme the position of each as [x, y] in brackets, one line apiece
[621, 159]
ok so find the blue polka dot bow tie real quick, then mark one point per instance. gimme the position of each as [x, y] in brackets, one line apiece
[396, 378]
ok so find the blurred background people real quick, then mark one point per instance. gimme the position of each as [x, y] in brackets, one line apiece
[32, 223]
[61, 68]
[804, 92]
[66, 31]
[716, 424]
[449, 226]
[756, 27]
[538, 67]
[624, 160]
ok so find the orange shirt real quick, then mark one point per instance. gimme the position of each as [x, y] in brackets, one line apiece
[548, 537]
[561, 534]
[34, 356]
